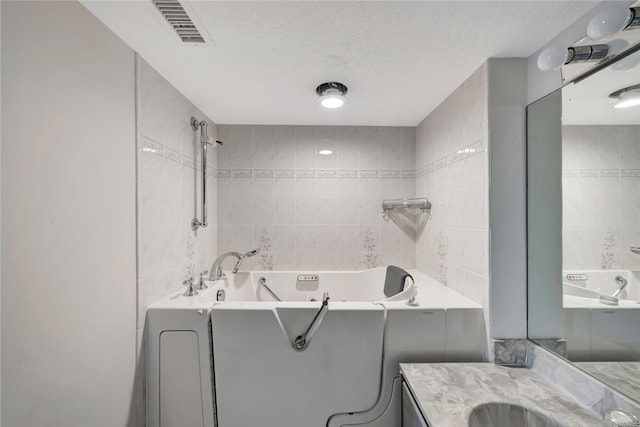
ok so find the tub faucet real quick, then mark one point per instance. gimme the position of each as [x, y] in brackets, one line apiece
[216, 268]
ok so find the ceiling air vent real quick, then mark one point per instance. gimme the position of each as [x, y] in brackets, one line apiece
[179, 20]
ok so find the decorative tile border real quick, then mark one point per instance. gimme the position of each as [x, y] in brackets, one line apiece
[285, 174]
[153, 147]
[389, 174]
[442, 162]
[609, 172]
[241, 173]
[367, 174]
[306, 174]
[326, 174]
[263, 174]
[606, 173]
[347, 174]
[630, 172]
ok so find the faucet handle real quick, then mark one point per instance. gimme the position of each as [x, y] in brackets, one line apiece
[201, 285]
[191, 290]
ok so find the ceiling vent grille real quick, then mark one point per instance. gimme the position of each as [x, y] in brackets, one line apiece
[179, 20]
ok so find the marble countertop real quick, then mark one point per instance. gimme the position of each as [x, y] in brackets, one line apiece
[447, 392]
[622, 376]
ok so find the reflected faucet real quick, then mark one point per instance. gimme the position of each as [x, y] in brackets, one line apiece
[216, 268]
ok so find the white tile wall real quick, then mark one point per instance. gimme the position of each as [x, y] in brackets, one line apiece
[451, 161]
[168, 176]
[601, 196]
[311, 211]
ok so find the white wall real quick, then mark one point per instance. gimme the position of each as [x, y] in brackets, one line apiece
[308, 211]
[507, 197]
[68, 197]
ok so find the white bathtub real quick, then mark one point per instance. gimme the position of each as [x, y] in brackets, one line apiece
[346, 375]
[596, 283]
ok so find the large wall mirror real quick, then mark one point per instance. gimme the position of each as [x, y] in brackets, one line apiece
[584, 223]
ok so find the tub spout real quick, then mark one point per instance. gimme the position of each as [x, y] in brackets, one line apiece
[216, 268]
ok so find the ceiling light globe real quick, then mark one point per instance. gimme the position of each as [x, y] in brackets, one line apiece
[552, 58]
[608, 21]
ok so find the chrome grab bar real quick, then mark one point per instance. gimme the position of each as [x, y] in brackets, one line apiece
[263, 281]
[301, 341]
[204, 141]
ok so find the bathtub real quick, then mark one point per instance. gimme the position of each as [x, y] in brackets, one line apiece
[597, 283]
[250, 373]
[594, 328]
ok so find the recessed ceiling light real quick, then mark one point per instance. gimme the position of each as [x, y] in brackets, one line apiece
[331, 94]
[325, 152]
[627, 97]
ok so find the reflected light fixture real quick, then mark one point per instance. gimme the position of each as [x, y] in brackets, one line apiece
[612, 19]
[325, 152]
[331, 94]
[553, 57]
[627, 97]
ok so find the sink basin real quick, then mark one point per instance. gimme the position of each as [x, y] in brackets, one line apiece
[508, 415]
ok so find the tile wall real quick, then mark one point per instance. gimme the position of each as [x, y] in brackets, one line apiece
[601, 196]
[311, 211]
[451, 162]
[168, 197]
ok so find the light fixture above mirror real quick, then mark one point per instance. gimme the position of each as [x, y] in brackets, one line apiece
[627, 97]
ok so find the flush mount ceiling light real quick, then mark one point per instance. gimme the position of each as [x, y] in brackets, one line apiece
[612, 19]
[627, 97]
[331, 94]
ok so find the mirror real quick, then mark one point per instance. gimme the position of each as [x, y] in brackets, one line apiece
[584, 223]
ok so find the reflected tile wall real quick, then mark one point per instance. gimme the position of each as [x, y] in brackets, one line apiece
[601, 196]
[451, 162]
[309, 211]
[168, 178]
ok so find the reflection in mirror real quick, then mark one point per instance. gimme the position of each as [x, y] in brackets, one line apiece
[593, 195]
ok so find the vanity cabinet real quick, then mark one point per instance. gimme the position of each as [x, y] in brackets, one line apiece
[411, 415]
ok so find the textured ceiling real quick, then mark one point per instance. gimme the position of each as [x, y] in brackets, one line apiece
[399, 59]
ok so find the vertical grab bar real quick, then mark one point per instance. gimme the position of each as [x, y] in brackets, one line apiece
[204, 141]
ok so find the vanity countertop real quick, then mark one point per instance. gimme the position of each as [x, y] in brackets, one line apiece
[447, 392]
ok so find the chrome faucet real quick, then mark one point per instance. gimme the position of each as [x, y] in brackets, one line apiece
[216, 268]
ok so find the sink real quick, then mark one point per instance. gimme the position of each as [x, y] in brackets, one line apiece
[508, 415]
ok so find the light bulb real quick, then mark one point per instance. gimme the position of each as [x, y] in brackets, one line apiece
[552, 58]
[332, 100]
[630, 98]
[608, 21]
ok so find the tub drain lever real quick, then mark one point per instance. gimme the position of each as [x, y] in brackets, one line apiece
[300, 343]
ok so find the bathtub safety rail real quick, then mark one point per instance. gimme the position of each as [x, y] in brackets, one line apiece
[263, 282]
[301, 341]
